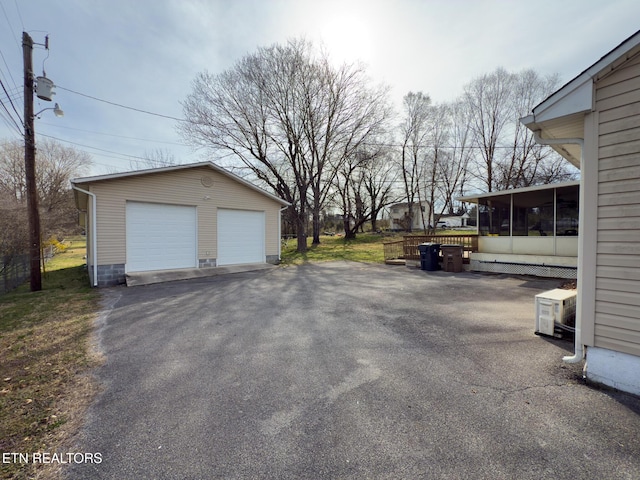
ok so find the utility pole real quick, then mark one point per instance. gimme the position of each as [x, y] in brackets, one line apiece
[30, 165]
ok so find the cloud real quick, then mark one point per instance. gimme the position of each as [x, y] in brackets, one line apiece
[145, 54]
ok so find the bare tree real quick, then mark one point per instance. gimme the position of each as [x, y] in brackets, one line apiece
[453, 172]
[343, 113]
[251, 112]
[155, 158]
[14, 234]
[435, 162]
[12, 175]
[379, 177]
[414, 131]
[508, 155]
[56, 165]
[477, 140]
[489, 101]
[525, 162]
[364, 183]
[290, 118]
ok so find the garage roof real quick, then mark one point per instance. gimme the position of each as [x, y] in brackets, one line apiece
[213, 166]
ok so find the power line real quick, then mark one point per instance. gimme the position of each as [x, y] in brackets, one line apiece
[93, 148]
[130, 158]
[2, 74]
[10, 117]
[15, 92]
[114, 135]
[122, 106]
[15, 97]
[12, 127]
[8, 70]
[10, 101]
[13, 34]
[184, 120]
[9, 120]
[19, 13]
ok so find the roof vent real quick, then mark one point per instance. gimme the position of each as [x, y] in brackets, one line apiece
[206, 180]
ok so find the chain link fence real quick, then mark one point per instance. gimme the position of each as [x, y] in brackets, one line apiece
[14, 271]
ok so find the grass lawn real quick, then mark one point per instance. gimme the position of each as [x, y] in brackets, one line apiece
[46, 355]
[364, 248]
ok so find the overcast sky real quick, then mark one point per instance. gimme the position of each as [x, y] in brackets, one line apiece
[144, 54]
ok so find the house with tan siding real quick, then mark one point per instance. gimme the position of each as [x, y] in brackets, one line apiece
[178, 217]
[594, 122]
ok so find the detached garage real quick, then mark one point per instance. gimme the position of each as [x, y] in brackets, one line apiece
[179, 217]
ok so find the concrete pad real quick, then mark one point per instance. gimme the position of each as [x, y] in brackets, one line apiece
[161, 276]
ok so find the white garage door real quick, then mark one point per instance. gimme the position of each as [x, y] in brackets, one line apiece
[240, 237]
[160, 236]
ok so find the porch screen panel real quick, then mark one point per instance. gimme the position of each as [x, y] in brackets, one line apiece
[495, 215]
[533, 214]
[567, 200]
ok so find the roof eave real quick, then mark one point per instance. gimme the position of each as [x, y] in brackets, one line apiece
[222, 171]
[577, 95]
[474, 198]
[578, 99]
[134, 173]
[551, 119]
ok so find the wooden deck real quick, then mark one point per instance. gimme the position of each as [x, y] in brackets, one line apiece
[407, 248]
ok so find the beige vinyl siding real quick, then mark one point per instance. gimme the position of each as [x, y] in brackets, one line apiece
[617, 299]
[178, 187]
[88, 230]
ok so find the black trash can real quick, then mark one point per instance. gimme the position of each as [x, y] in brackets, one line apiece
[429, 256]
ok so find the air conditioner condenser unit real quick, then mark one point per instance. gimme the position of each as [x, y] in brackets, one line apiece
[555, 312]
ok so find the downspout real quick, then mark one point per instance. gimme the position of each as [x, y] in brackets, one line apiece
[94, 240]
[579, 352]
[280, 231]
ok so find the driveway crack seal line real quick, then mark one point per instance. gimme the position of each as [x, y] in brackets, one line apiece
[509, 391]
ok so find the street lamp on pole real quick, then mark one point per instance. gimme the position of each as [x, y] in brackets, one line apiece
[57, 111]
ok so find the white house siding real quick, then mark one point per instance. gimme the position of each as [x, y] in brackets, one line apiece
[398, 212]
[617, 299]
[178, 187]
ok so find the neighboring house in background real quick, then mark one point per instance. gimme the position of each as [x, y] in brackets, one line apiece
[528, 231]
[178, 217]
[399, 217]
[453, 221]
[594, 122]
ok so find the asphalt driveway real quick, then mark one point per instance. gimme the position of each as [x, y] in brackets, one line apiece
[347, 370]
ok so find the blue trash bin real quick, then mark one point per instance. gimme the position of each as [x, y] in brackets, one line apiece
[429, 256]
